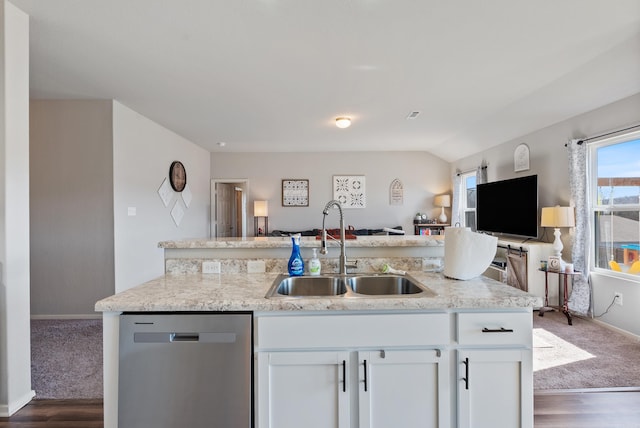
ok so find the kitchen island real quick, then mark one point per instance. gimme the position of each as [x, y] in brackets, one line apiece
[246, 292]
[461, 357]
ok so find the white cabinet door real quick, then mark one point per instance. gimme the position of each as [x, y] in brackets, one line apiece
[405, 389]
[303, 389]
[495, 388]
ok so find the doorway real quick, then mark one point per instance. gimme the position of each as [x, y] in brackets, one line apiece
[229, 208]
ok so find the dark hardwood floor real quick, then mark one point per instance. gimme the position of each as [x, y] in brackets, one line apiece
[57, 414]
[587, 408]
[561, 409]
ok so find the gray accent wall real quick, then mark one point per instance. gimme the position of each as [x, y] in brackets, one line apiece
[71, 164]
[96, 215]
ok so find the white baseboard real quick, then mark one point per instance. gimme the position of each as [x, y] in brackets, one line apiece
[616, 329]
[7, 410]
[68, 317]
[585, 390]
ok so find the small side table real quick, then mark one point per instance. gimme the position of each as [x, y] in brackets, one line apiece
[564, 282]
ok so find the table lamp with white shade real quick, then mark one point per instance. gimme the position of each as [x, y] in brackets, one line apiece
[443, 201]
[261, 209]
[558, 217]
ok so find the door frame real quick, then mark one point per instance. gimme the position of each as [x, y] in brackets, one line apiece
[238, 182]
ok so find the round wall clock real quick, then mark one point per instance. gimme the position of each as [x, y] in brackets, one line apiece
[177, 176]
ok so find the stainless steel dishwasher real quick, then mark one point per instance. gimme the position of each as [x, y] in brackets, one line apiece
[185, 370]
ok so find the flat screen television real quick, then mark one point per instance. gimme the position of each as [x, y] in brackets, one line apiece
[508, 207]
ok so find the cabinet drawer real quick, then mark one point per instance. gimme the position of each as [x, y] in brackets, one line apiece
[347, 331]
[496, 328]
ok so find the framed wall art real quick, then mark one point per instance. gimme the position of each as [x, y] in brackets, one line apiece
[396, 192]
[295, 193]
[521, 158]
[350, 190]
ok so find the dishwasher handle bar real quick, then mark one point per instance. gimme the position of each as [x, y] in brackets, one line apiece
[201, 337]
[185, 337]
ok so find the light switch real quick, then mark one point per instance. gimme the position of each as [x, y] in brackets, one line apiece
[131, 211]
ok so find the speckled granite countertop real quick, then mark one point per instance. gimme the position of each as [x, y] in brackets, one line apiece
[245, 292]
[306, 241]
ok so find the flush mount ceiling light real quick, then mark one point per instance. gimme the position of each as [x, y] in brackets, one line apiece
[343, 122]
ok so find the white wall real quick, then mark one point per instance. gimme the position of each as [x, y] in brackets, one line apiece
[71, 206]
[548, 154]
[15, 347]
[626, 317]
[549, 160]
[142, 154]
[422, 175]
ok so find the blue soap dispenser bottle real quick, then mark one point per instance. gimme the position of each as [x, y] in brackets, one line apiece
[296, 265]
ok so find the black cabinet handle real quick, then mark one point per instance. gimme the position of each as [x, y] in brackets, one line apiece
[497, 330]
[365, 375]
[466, 373]
[344, 376]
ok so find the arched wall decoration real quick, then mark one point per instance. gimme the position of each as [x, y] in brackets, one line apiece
[396, 193]
[521, 158]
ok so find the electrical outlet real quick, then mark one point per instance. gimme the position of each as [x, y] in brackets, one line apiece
[256, 266]
[617, 298]
[210, 267]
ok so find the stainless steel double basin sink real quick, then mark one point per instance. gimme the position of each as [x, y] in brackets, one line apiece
[348, 286]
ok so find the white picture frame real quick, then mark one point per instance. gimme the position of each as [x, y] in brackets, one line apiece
[350, 190]
[295, 192]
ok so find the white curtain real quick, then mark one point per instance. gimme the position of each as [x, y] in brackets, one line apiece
[457, 216]
[455, 204]
[580, 298]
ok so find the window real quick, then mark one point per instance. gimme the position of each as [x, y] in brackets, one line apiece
[615, 203]
[468, 199]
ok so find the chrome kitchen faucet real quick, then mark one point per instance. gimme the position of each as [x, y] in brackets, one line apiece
[323, 245]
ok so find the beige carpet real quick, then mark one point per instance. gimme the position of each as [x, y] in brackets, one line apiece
[66, 358]
[584, 355]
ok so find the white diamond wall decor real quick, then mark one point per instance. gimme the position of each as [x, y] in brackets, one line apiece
[177, 213]
[166, 192]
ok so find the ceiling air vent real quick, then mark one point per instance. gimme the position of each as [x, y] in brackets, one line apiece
[413, 115]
